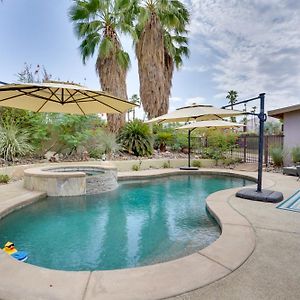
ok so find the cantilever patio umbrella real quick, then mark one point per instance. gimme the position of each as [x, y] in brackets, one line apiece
[61, 97]
[206, 124]
[195, 112]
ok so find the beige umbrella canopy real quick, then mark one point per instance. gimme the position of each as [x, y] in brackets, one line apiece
[211, 124]
[195, 113]
[61, 97]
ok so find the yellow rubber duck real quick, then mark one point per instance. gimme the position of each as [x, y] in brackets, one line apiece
[9, 248]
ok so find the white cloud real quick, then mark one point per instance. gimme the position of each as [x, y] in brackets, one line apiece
[197, 69]
[255, 46]
[175, 99]
[194, 100]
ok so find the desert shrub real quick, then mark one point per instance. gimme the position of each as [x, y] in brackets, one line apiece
[277, 155]
[100, 141]
[14, 142]
[167, 164]
[135, 168]
[180, 142]
[220, 143]
[136, 138]
[163, 139]
[196, 163]
[4, 178]
[296, 154]
[228, 161]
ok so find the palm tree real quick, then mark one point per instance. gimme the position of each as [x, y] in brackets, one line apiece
[136, 100]
[232, 98]
[98, 24]
[175, 49]
[155, 53]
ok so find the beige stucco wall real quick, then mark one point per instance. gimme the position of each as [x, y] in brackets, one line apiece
[17, 172]
[291, 133]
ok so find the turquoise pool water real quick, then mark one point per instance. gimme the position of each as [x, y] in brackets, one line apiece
[140, 223]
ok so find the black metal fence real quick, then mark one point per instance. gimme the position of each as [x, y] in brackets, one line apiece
[246, 147]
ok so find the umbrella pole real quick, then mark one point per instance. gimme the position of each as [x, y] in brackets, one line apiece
[262, 119]
[189, 153]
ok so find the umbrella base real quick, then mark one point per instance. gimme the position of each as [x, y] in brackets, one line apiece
[189, 168]
[264, 195]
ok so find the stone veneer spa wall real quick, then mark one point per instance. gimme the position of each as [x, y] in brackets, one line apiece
[71, 180]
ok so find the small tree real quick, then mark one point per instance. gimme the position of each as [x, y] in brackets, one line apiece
[136, 100]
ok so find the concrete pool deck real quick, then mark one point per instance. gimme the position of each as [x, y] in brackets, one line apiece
[224, 270]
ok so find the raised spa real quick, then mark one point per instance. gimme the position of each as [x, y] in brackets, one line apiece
[71, 180]
[141, 222]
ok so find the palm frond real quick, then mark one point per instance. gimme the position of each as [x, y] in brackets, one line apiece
[123, 59]
[106, 47]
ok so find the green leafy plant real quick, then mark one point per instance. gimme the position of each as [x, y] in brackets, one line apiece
[228, 161]
[219, 144]
[4, 178]
[135, 168]
[136, 138]
[14, 142]
[296, 154]
[196, 163]
[101, 141]
[277, 155]
[180, 142]
[163, 138]
[167, 164]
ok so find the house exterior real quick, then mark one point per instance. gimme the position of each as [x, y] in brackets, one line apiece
[291, 127]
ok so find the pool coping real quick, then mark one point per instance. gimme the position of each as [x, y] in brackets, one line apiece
[159, 281]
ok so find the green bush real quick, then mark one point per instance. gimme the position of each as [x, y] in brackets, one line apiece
[167, 164]
[228, 161]
[296, 154]
[220, 143]
[136, 138]
[101, 141]
[196, 163]
[4, 178]
[163, 139]
[137, 167]
[14, 142]
[180, 141]
[277, 155]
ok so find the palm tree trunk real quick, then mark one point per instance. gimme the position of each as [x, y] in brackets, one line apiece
[113, 81]
[168, 73]
[150, 54]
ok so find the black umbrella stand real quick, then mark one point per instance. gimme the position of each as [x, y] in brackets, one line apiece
[189, 153]
[259, 194]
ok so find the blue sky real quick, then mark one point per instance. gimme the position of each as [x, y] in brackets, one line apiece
[249, 46]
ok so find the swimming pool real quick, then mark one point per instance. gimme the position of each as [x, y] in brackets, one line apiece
[140, 223]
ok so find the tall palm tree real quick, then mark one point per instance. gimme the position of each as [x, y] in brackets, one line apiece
[232, 98]
[157, 19]
[175, 49]
[98, 24]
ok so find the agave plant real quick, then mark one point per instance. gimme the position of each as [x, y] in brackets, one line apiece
[136, 138]
[14, 142]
